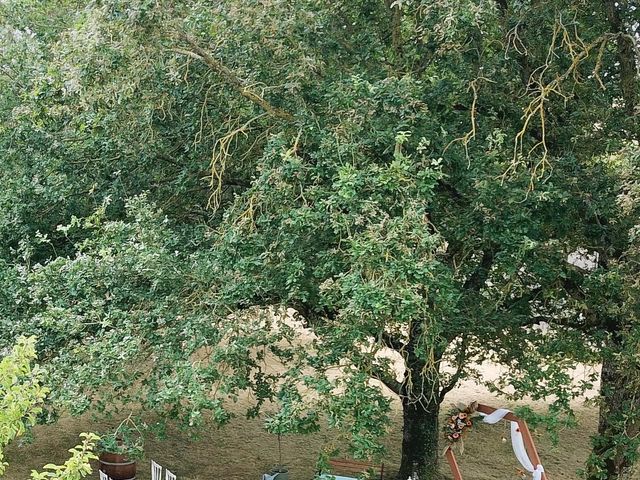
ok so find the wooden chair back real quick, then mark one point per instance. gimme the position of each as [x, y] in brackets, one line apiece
[354, 468]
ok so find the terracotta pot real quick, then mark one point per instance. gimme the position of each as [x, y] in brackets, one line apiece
[117, 467]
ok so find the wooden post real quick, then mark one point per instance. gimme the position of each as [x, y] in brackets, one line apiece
[529, 445]
[451, 458]
[486, 409]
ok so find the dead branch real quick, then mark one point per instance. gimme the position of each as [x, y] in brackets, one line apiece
[536, 109]
[240, 85]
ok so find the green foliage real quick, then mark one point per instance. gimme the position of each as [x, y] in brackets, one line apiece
[409, 177]
[126, 440]
[77, 466]
[21, 393]
[21, 399]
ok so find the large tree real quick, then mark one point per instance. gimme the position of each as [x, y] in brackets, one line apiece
[407, 176]
[606, 294]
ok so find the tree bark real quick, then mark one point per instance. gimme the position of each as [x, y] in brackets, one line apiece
[420, 395]
[240, 85]
[615, 448]
[626, 55]
[396, 30]
[420, 440]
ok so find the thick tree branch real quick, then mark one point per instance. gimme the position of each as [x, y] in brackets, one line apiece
[479, 277]
[396, 28]
[240, 85]
[460, 360]
[388, 381]
[626, 55]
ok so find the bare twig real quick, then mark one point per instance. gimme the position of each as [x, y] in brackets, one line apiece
[240, 85]
[536, 109]
[219, 160]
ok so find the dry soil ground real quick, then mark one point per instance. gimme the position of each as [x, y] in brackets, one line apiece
[243, 450]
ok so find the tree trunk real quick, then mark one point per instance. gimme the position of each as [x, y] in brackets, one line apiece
[420, 439]
[615, 447]
[421, 398]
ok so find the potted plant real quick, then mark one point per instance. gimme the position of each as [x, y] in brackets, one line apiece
[277, 424]
[120, 449]
[278, 471]
[291, 418]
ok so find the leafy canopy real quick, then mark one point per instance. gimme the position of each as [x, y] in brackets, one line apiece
[408, 176]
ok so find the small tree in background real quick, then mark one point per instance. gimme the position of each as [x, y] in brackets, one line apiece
[21, 398]
[21, 393]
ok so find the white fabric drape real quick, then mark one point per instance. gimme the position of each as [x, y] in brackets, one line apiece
[517, 443]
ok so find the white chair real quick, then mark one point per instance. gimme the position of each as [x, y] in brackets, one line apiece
[104, 476]
[168, 475]
[156, 471]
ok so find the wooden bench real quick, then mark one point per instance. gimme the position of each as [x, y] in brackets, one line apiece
[354, 468]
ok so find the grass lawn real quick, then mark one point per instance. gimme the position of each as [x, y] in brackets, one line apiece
[243, 450]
